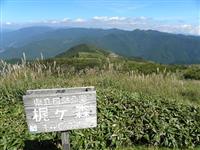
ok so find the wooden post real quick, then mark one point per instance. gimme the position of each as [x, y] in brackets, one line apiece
[62, 109]
[65, 140]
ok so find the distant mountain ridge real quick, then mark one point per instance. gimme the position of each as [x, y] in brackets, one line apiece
[147, 44]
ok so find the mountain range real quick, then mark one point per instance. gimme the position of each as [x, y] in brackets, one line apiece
[151, 45]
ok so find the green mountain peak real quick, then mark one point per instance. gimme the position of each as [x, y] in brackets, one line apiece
[84, 50]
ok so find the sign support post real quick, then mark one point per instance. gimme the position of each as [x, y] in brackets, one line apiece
[65, 140]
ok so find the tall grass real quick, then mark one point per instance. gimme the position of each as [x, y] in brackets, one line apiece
[158, 84]
[165, 93]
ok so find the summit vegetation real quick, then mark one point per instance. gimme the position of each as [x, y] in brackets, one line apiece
[140, 104]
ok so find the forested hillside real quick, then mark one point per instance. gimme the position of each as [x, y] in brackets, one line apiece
[147, 44]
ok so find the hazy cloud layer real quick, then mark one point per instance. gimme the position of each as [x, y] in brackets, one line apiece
[125, 23]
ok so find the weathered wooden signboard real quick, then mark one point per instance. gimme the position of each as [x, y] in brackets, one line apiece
[63, 109]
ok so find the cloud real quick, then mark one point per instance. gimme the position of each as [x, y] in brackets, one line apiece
[125, 23]
[79, 20]
[145, 23]
[55, 22]
[8, 23]
[106, 18]
[65, 19]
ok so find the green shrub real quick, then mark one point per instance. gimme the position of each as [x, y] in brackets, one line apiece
[192, 73]
[124, 119]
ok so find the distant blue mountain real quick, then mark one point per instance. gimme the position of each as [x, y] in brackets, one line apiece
[147, 44]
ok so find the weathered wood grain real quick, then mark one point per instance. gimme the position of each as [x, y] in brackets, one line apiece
[65, 140]
[60, 90]
[63, 109]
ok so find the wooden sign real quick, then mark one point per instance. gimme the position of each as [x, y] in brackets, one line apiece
[62, 109]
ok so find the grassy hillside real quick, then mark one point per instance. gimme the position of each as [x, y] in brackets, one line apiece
[141, 105]
[84, 50]
[87, 56]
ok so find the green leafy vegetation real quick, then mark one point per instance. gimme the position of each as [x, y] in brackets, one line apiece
[136, 109]
[192, 72]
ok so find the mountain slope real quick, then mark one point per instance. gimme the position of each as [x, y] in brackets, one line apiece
[150, 45]
[23, 36]
[83, 49]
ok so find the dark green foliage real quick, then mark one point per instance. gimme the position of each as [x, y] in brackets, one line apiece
[81, 60]
[193, 96]
[149, 67]
[124, 119]
[14, 61]
[192, 73]
[127, 119]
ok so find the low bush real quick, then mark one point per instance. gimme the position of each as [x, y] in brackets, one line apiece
[124, 119]
[127, 119]
[192, 73]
